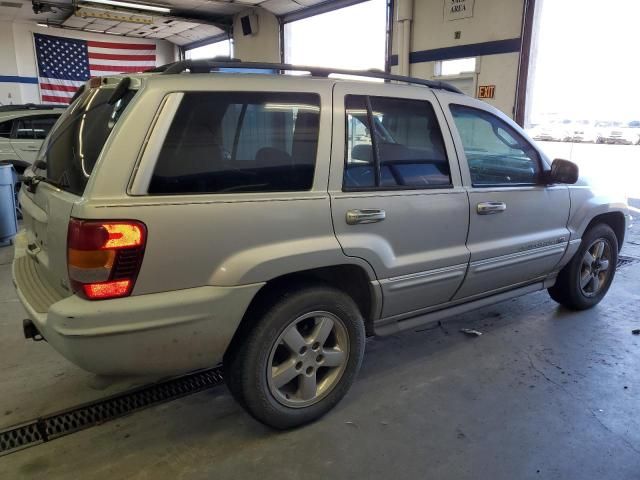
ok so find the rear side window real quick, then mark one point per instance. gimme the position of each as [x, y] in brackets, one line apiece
[35, 127]
[231, 142]
[393, 143]
[5, 129]
[24, 131]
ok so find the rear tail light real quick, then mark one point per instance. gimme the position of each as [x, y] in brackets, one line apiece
[104, 257]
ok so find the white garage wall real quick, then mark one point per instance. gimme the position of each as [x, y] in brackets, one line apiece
[492, 21]
[18, 57]
[10, 91]
[500, 70]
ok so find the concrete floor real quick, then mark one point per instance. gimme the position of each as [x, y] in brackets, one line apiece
[544, 393]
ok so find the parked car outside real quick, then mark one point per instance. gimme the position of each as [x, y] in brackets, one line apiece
[22, 130]
[550, 132]
[581, 131]
[187, 219]
[616, 132]
[632, 132]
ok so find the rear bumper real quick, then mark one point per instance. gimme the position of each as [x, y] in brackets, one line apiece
[162, 333]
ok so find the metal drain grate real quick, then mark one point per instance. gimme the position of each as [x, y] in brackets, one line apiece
[19, 437]
[84, 416]
[624, 261]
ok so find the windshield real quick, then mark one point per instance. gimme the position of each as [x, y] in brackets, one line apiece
[74, 144]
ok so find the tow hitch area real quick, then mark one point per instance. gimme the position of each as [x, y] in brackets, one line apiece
[31, 331]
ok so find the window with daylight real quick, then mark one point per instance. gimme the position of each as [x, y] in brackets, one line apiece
[357, 40]
[457, 66]
[217, 49]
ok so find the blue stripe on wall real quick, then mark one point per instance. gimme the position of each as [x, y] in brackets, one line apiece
[17, 79]
[461, 51]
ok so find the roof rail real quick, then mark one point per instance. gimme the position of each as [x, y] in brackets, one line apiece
[208, 65]
[28, 106]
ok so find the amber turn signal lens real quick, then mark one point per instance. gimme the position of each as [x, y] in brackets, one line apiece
[91, 258]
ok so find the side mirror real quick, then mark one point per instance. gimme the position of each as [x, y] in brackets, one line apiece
[563, 171]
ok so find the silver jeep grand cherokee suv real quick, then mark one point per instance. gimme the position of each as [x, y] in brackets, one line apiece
[185, 217]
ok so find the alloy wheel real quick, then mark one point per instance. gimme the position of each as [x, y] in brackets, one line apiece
[595, 268]
[308, 359]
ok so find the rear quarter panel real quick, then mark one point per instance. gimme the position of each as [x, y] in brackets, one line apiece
[216, 239]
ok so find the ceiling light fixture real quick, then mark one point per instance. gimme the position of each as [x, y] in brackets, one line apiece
[135, 6]
[114, 15]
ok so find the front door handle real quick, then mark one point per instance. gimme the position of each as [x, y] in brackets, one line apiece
[489, 208]
[367, 215]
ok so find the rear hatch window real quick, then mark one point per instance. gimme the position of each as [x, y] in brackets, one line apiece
[73, 146]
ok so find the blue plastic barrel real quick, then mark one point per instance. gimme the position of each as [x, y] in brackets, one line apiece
[8, 219]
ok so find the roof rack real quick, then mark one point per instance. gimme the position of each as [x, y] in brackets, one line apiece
[209, 65]
[27, 106]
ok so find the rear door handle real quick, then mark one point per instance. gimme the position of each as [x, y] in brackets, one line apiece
[489, 208]
[367, 215]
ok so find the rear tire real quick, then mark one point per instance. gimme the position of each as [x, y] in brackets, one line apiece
[585, 280]
[299, 359]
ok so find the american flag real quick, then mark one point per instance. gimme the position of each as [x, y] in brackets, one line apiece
[66, 63]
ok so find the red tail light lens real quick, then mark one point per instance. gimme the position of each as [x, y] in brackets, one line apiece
[115, 289]
[104, 257]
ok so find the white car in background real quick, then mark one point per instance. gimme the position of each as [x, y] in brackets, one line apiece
[632, 131]
[581, 131]
[618, 133]
[550, 132]
[22, 130]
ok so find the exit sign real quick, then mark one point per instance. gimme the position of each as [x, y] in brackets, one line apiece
[486, 91]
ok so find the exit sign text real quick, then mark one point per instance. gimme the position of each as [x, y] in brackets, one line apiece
[486, 91]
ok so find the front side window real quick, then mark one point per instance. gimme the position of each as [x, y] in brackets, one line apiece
[496, 153]
[405, 150]
[233, 142]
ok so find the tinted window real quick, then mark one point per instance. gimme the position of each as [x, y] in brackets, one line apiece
[406, 151]
[74, 145]
[496, 153]
[360, 168]
[239, 142]
[5, 129]
[42, 125]
[24, 129]
[34, 127]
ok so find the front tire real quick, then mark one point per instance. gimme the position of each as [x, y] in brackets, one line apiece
[585, 280]
[299, 359]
